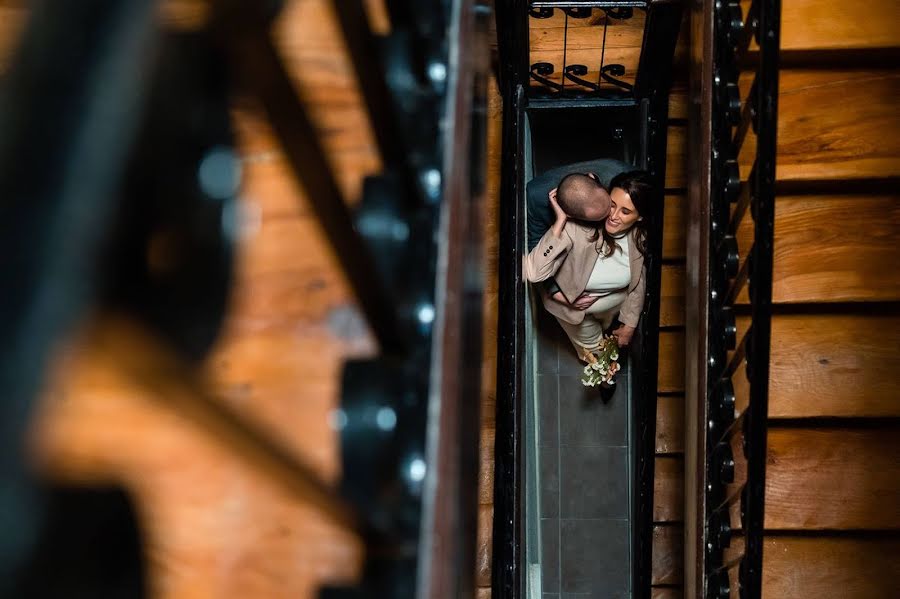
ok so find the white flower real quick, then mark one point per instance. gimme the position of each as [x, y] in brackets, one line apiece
[587, 369]
[614, 355]
[586, 383]
[596, 365]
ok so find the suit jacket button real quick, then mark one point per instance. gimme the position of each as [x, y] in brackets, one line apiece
[551, 247]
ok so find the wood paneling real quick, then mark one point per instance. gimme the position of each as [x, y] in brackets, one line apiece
[678, 100]
[668, 489]
[671, 361]
[833, 124]
[676, 155]
[12, 21]
[670, 424]
[671, 308]
[832, 248]
[483, 550]
[486, 468]
[833, 479]
[668, 558]
[666, 593]
[830, 567]
[675, 227]
[834, 365]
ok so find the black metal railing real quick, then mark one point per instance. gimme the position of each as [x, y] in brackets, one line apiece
[736, 426]
[575, 79]
[410, 252]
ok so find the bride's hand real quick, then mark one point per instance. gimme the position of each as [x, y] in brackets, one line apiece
[623, 335]
[584, 301]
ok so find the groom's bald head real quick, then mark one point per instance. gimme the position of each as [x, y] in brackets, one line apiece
[583, 197]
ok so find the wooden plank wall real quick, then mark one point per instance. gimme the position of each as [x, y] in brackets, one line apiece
[214, 525]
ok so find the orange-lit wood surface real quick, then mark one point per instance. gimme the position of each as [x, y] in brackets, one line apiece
[216, 522]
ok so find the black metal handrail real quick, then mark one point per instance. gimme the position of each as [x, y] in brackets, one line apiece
[732, 122]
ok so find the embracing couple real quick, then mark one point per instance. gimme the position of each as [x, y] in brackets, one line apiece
[587, 242]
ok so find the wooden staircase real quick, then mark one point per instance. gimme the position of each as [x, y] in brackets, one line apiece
[832, 481]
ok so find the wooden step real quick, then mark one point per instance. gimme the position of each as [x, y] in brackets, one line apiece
[830, 567]
[833, 124]
[676, 156]
[830, 365]
[671, 361]
[814, 25]
[675, 227]
[668, 489]
[668, 555]
[832, 248]
[849, 567]
[670, 424]
[671, 308]
[830, 479]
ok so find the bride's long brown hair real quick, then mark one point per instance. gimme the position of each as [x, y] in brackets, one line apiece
[638, 186]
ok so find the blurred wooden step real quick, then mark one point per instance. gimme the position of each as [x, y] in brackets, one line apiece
[832, 248]
[832, 125]
[831, 365]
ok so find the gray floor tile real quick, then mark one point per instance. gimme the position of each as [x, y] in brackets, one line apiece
[595, 557]
[548, 410]
[547, 343]
[585, 419]
[568, 362]
[549, 482]
[593, 482]
[550, 554]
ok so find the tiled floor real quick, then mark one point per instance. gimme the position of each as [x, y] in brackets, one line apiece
[583, 475]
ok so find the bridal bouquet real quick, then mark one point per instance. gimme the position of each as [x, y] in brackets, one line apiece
[602, 363]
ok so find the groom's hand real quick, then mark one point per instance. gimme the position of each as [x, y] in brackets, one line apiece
[557, 209]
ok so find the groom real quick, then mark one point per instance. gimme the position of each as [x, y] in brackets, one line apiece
[581, 198]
